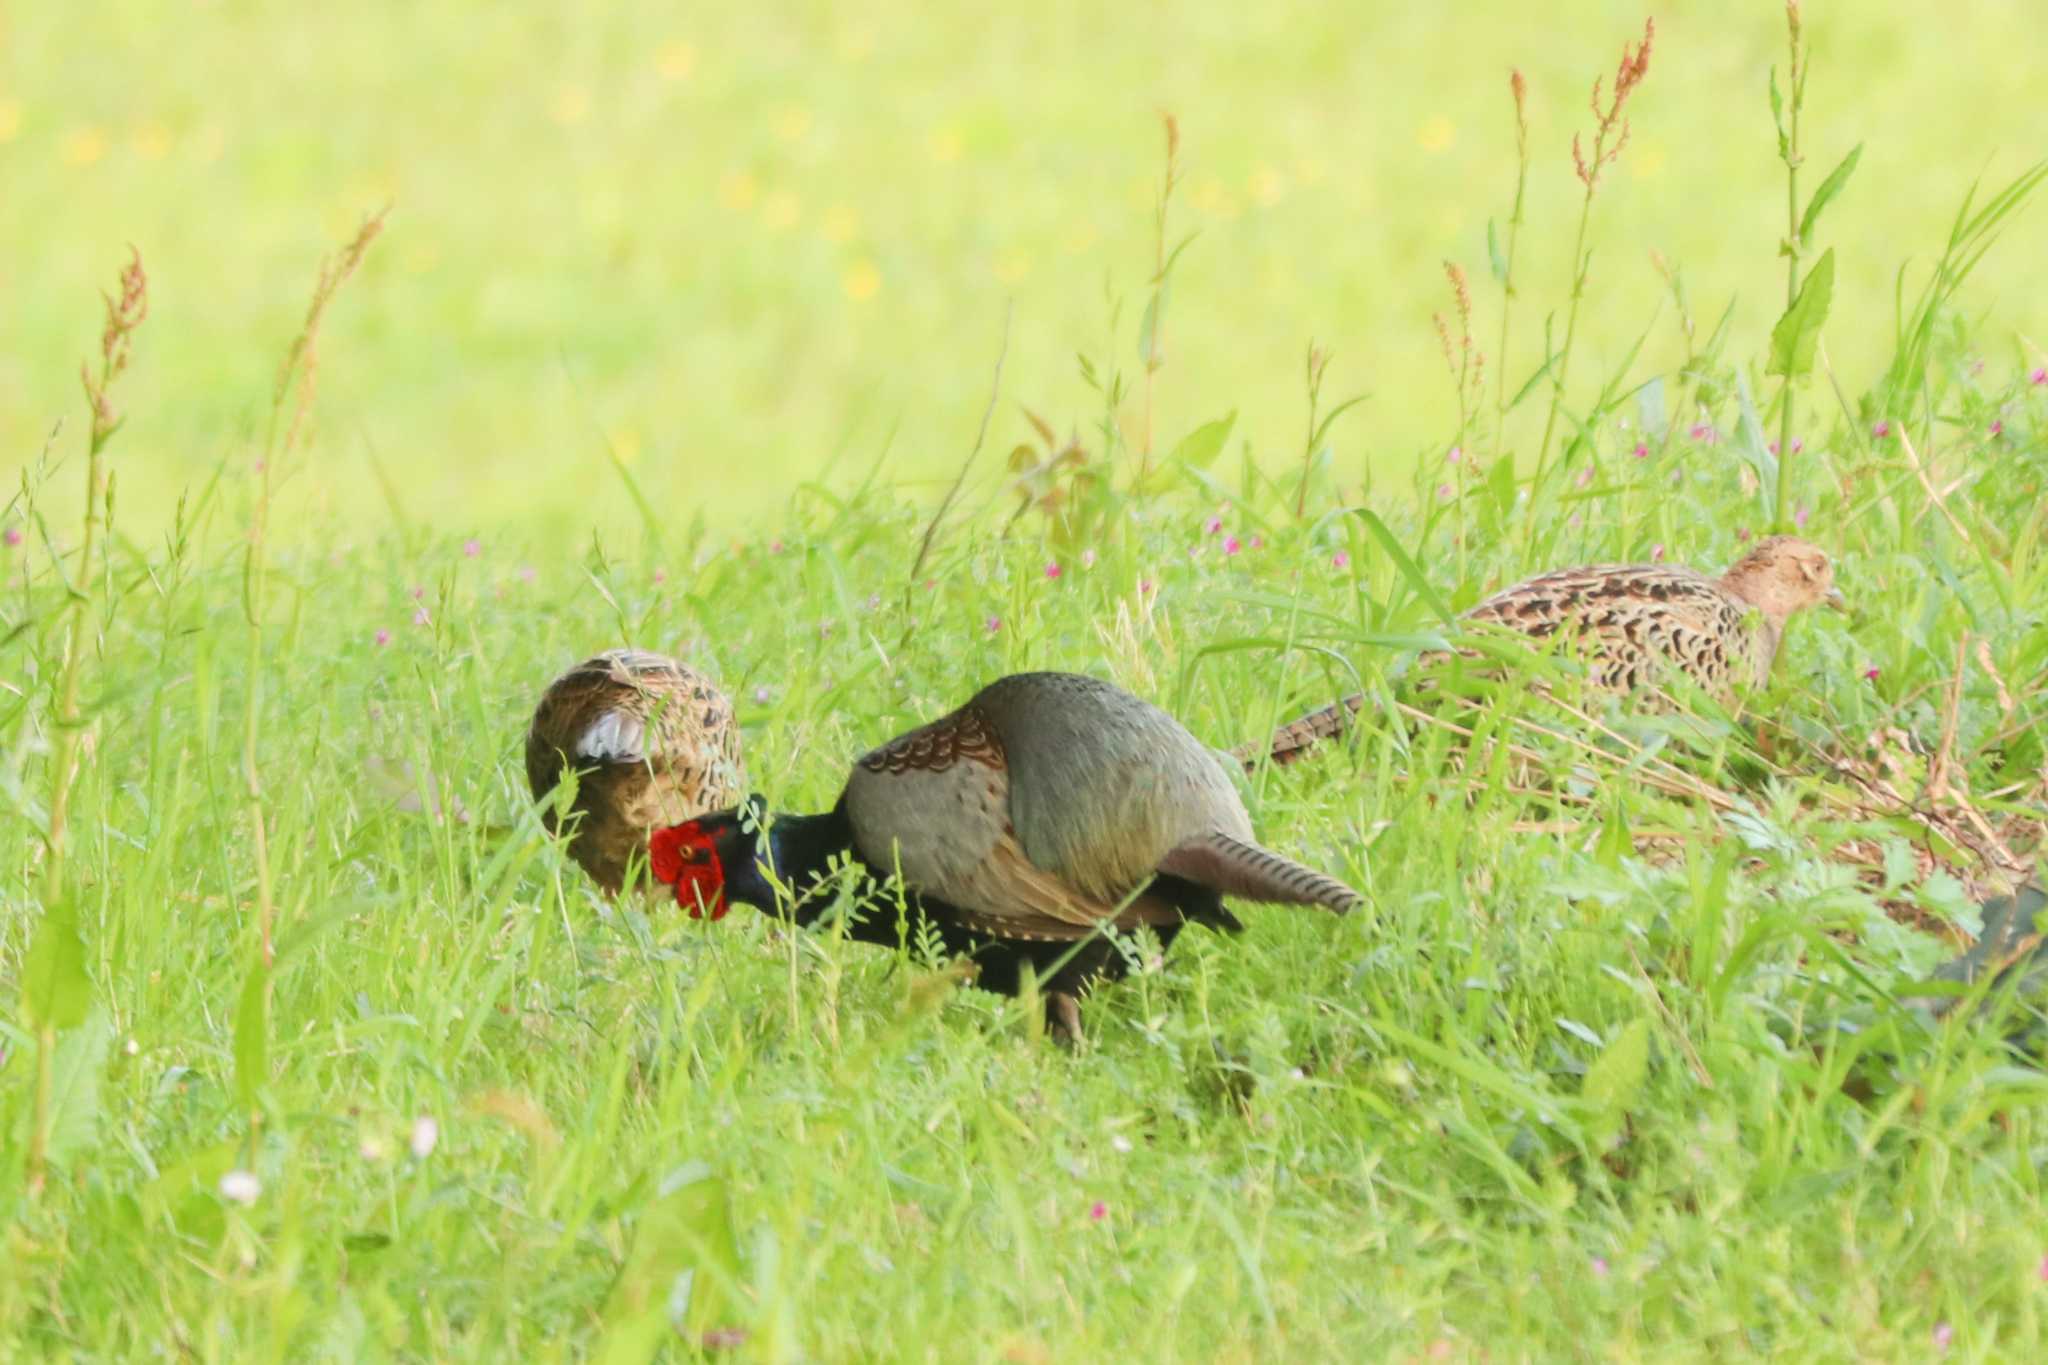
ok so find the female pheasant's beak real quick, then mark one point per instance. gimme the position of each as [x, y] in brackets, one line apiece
[1835, 600]
[685, 857]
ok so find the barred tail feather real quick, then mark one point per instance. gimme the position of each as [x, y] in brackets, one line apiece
[1296, 736]
[1232, 867]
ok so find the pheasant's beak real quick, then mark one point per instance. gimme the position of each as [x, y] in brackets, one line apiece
[1835, 601]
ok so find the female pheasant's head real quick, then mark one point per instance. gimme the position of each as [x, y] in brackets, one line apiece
[702, 858]
[1784, 574]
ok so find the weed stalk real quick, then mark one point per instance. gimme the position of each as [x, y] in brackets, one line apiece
[1318, 362]
[124, 313]
[296, 381]
[1610, 135]
[1152, 330]
[1520, 89]
[290, 403]
[1794, 249]
[1467, 366]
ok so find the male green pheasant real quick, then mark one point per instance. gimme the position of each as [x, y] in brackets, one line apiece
[1048, 808]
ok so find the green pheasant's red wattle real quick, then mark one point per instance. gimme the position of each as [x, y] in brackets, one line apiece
[680, 856]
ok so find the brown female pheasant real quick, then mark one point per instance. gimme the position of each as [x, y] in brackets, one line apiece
[652, 741]
[1049, 807]
[1636, 621]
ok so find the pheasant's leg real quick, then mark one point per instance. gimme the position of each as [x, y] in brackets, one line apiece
[1063, 1017]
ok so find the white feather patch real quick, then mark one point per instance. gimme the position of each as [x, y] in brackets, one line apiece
[614, 737]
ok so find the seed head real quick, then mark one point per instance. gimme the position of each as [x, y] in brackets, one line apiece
[1610, 126]
[124, 315]
[1459, 288]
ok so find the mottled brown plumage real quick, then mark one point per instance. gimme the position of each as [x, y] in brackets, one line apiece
[1633, 624]
[654, 742]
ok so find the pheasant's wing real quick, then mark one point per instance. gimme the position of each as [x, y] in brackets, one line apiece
[1232, 867]
[1636, 621]
[934, 805]
[1702, 640]
[1008, 896]
[629, 709]
[562, 719]
[1103, 784]
[613, 735]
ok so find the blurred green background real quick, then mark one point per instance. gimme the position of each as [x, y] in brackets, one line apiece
[737, 242]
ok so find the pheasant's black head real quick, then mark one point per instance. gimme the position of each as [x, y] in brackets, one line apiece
[698, 857]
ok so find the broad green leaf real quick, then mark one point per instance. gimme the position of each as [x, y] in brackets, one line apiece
[1578, 1030]
[1531, 382]
[1615, 844]
[1827, 190]
[1794, 338]
[1173, 258]
[1405, 563]
[1500, 486]
[80, 1061]
[1751, 444]
[1616, 1077]
[1330, 417]
[185, 1194]
[1148, 329]
[679, 1272]
[56, 993]
[308, 929]
[252, 1034]
[1200, 447]
[1650, 409]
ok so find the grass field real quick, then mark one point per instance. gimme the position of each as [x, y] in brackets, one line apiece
[1625, 1057]
[738, 244]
